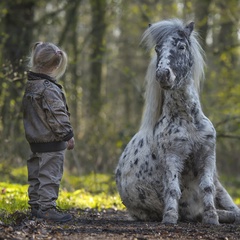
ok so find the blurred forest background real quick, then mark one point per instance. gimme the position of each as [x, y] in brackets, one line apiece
[104, 81]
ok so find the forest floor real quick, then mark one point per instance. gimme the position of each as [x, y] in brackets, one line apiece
[110, 224]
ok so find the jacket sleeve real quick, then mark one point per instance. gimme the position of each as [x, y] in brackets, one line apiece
[57, 115]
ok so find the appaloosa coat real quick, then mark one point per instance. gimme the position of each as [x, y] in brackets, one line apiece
[167, 171]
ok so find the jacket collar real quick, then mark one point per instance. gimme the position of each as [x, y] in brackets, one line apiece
[41, 76]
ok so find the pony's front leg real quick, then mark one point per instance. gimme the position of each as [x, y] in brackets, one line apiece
[172, 192]
[208, 190]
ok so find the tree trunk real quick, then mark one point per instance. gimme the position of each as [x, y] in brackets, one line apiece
[228, 36]
[97, 46]
[201, 18]
[17, 25]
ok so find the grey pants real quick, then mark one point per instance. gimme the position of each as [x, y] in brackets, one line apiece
[45, 172]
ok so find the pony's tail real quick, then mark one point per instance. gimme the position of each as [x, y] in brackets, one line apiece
[153, 98]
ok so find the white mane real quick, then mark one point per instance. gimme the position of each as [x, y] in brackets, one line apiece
[156, 34]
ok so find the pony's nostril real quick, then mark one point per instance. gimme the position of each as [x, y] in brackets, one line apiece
[163, 73]
[167, 72]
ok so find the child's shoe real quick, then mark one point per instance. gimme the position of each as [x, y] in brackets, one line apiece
[34, 210]
[54, 214]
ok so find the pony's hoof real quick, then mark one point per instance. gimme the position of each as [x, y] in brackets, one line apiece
[169, 220]
[211, 221]
[237, 217]
[169, 223]
[211, 218]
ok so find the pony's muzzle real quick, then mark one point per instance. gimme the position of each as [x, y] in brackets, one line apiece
[165, 77]
[162, 73]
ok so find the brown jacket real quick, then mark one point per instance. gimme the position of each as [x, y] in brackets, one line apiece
[45, 114]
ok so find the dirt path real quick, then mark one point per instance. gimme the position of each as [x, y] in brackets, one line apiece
[110, 224]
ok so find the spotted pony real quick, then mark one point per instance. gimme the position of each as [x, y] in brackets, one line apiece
[167, 171]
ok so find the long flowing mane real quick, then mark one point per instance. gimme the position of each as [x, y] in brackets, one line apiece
[171, 161]
[157, 34]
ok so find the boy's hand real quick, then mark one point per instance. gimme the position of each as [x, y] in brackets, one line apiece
[70, 144]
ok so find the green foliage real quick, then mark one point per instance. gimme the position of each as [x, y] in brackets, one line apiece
[83, 199]
[96, 191]
[232, 185]
[87, 191]
[122, 66]
[92, 183]
[14, 197]
[13, 175]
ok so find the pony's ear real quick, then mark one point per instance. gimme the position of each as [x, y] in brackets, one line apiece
[189, 28]
[149, 25]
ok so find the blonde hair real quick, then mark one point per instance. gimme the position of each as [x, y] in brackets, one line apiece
[47, 58]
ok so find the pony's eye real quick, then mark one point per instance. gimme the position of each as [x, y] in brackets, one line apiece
[182, 46]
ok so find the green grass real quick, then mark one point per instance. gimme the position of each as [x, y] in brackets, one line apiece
[97, 191]
[13, 197]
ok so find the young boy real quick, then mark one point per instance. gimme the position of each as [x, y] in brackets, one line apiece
[47, 128]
